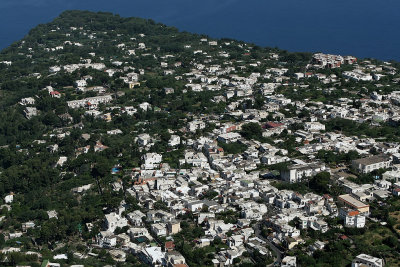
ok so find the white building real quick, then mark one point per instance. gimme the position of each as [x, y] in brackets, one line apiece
[367, 260]
[159, 229]
[196, 125]
[174, 140]
[30, 112]
[229, 137]
[27, 101]
[352, 218]
[90, 101]
[370, 164]
[145, 106]
[314, 126]
[9, 198]
[151, 160]
[114, 220]
[135, 217]
[80, 83]
[289, 261]
[297, 173]
[153, 256]
[143, 139]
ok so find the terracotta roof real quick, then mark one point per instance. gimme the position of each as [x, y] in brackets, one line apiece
[272, 125]
[353, 213]
[169, 244]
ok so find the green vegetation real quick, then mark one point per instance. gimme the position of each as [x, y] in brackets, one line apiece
[107, 161]
[348, 127]
[233, 148]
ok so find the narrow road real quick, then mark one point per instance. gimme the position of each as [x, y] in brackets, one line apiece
[277, 251]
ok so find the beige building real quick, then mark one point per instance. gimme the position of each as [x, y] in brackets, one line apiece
[351, 202]
[173, 227]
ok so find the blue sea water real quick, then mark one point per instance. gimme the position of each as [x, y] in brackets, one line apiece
[363, 28]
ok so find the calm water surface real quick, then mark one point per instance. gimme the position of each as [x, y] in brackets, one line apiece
[363, 28]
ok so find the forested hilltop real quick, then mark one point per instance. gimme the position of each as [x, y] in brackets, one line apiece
[127, 142]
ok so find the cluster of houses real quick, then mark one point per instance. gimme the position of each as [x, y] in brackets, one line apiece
[211, 182]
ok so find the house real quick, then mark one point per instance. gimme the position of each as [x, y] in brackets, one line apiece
[61, 161]
[159, 229]
[175, 259]
[135, 217]
[196, 125]
[235, 241]
[314, 126]
[144, 106]
[80, 83]
[136, 232]
[318, 245]
[168, 91]
[27, 101]
[229, 137]
[289, 261]
[271, 159]
[118, 255]
[367, 260]
[114, 220]
[195, 205]
[143, 139]
[319, 225]
[9, 198]
[27, 225]
[107, 241]
[114, 132]
[153, 256]
[30, 112]
[169, 246]
[151, 160]
[299, 75]
[174, 140]
[99, 147]
[55, 94]
[47, 263]
[370, 164]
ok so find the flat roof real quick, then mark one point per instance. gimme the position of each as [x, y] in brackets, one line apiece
[352, 201]
[372, 160]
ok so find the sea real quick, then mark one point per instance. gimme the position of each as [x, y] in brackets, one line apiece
[362, 28]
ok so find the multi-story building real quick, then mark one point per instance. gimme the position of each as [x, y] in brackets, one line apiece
[370, 164]
[351, 202]
[299, 172]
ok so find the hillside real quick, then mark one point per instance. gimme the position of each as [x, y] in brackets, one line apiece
[105, 120]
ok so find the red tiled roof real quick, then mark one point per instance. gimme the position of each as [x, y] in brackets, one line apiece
[272, 125]
[353, 213]
[169, 244]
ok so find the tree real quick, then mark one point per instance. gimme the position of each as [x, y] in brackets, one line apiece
[320, 182]
[251, 131]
